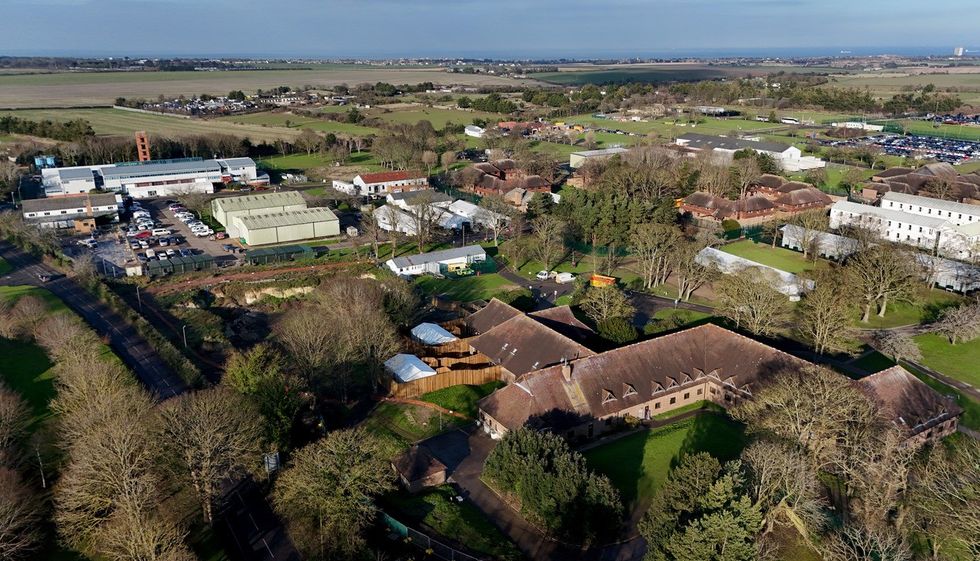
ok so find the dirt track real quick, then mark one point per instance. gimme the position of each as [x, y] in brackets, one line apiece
[165, 287]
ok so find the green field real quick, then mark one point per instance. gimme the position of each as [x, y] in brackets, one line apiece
[923, 307]
[401, 425]
[461, 522]
[580, 75]
[438, 117]
[670, 127]
[638, 464]
[926, 128]
[886, 86]
[776, 257]
[121, 122]
[477, 287]
[297, 123]
[461, 399]
[960, 361]
[303, 162]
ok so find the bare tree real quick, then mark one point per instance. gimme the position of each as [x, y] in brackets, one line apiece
[812, 224]
[897, 344]
[215, 436]
[424, 218]
[447, 159]
[750, 299]
[943, 499]
[690, 274]
[825, 314]
[429, 159]
[744, 172]
[301, 331]
[602, 303]
[494, 214]
[20, 517]
[959, 323]
[29, 311]
[309, 141]
[15, 418]
[139, 534]
[854, 543]
[654, 246]
[881, 274]
[549, 239]
[373, 230]
[785, 483]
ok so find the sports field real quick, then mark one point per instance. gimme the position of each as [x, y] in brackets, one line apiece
[121, 122]
[72, 89]
[776, 257]
[298, 123]
[669, 127]
[885, 86]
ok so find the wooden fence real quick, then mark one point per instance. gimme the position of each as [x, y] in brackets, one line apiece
[415, 388]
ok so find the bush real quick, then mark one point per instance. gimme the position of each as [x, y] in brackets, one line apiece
[618, 330]
[520, 298]
[730, 225]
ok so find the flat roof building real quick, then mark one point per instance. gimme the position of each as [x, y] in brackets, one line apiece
[224, 210]
[436, 261]
[62, 212]
[578, 159]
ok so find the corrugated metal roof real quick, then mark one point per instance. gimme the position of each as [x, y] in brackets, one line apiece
[65, 203]
[695, 140]
[237, 162]
[437, 256]
[264, 200]
[161, 168]
[287, 218]
[68, 174]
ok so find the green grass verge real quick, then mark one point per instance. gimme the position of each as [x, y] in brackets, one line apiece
[461, 399]
[776, 257]
[303, 162]
[461, 522]
[477, 287]
[971, 407]
[960, 361]
[668, 319]
[402, 424]
[638, 464]
[924, 306]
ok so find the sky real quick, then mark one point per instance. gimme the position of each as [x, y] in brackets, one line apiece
[483, 28]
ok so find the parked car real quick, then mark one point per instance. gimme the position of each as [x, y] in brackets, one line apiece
[228, 247]
[143, 234]
[542, 275]
[141, 258]
[185, 252]
[163, 257]
[221, 236]
[204, 233]
[164, 241]
[151, 254]
[89, 243]
[563, 278]
[134, 245]
[171, 252]
[161, 232]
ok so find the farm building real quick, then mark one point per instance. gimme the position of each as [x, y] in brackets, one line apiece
[224, 210]
[382, 183]
[578, 159]
[438, 262]
[287, 226]
[63, 212]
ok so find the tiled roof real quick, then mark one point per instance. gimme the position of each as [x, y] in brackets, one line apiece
[562, 320]
[908, 400]
[386, 176]
[490, 316]
[523, 344]
[417, 463]
[806, 196]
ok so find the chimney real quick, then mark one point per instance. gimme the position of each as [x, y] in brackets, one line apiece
[566, 371]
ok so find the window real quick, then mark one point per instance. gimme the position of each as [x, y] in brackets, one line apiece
[628, 390]
[656, 405]
[687, 395]
[673, 400]
[608, 396]
[700, 391]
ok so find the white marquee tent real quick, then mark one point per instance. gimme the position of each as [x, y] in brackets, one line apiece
[406, 368]
[431, 334]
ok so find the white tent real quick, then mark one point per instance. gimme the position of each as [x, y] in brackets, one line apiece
[406, 368]
[431, 334]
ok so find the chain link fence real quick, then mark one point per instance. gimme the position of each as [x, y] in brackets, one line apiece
[426, 543]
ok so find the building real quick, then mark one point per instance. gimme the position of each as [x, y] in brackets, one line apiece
[437, 262]
[824, 244]
[474, 131]
[578, 159]
[407, 200]
[418, 469]
[591, 395]
[783, 281]
[476, 216]
[894, 225]
[81, 212]
[920, 412]
[286, 226]
[789, 158]
[140, 180]
[383, 183]
[226, 209]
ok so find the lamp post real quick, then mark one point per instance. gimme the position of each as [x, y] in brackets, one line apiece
[184, 331]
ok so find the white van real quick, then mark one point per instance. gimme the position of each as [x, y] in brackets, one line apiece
[150, 254]
[161, 232]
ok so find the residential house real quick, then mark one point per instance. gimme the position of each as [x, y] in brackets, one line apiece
[920, 412]
[437, 262]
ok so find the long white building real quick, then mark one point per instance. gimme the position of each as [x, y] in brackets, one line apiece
[950, 228]
[789, 158]
[142, 180]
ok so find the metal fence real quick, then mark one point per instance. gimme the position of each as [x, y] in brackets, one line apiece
[424, 542]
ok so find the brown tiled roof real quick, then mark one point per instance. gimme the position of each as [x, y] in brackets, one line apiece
[535, 182]
[522, 344]
[791, 186]
[490, 316]
[809, 195]
[634, 374]
[769, 180]
[562, 320]
[755, 203]
[505, 164]
[894, 172]
[417, 463]
[385, 176]
[938, 168]
[487, 167]
[908, 400]
[707, 200]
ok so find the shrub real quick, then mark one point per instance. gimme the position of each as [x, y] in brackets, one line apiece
[730, 225]
[618, 330]
[520, 298]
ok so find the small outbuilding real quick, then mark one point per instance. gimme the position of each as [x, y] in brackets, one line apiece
[408, 368]
[431, 334]
[418, 469]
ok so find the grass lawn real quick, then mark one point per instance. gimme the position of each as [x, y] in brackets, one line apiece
[298, 122]
[776, 257]
[303, 162]
[476, 287]
[971, 407]
[667, 319]
[638, 464]
[461, 399]
[438, 117]
[874, 362]
[960, 361]
[401, 424]
[925, 306]
[462, 522]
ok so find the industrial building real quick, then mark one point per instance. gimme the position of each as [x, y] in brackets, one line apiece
[578, 159]
[789, 158]
[438, 262]
[81, 212]
[161, 178]
[286, 226]
[225, 210]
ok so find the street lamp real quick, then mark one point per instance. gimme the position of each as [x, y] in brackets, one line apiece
[184, 331]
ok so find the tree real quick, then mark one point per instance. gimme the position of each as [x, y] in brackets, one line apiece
[540, 204]
[424, 215]
[654, 246]
[447, 159]
[372, 228]
[327, 493]
[691, 275]
[825, 314]
[214, 435]
[897, 344]
[20, 516]
[783, 482]
[548, 245]
[751, 300]
[246, 371]
[619, 330]
[494, 214]
[554, 485]
[812, 223]
[302, 332]
[959, 323]
[430, 159]
[29, 312]
[856, 543]
[602, 303]
[744, 173]
[309, 141]
[879, 274]
[943, 497]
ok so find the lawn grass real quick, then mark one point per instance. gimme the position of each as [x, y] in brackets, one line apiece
[298, 122]
[401, 425]
[923, 307]
[303, 162]
[960, 361]
[971, 407]
[776, 257]
[874, 362]
[638, 464]
[669, 319]
[461, 399]
[476, 287]
[437, 116]
[461, 522]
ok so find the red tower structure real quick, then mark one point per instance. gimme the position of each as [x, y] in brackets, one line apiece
[143, 146]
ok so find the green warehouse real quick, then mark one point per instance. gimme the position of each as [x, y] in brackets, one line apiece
[288, 226]
[225, 210]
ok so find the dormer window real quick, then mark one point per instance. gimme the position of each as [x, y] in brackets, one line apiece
[628, 390]
[658, 388]
[607, 396]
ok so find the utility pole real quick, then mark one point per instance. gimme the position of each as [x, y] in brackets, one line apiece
[139, 299]
[184, 331]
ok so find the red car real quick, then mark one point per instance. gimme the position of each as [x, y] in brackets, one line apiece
[143, 235]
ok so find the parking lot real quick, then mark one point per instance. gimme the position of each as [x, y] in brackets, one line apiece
[947, 150]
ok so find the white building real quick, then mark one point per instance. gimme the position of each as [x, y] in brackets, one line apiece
[475, 214]
[825, 244]
[789, 158]
[140, 180]
[891, 224]
[474, 131]
[437, 262]
[578, 159]
[61, 212]
[783, 281]
[226, 209]
[392, 218]
[407, 200]
[383, 183]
